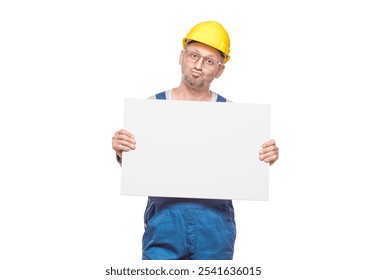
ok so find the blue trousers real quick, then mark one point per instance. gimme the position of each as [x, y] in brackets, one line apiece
[188, 229]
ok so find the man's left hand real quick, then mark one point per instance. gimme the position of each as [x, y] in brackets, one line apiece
[269, 152]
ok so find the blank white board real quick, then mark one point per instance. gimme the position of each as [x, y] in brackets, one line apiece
[196, 149]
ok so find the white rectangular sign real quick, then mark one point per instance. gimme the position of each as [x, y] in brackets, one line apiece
[196, 149]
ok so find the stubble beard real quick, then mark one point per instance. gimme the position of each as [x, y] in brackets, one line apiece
[194, 82]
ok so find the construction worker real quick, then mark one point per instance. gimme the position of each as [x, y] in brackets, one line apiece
[182, 228]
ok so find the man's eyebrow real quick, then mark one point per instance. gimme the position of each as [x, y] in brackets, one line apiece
[197, 51]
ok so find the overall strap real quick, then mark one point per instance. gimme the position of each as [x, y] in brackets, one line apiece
[161, 96]
[221, 98]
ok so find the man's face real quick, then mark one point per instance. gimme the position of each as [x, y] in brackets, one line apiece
[200, 64]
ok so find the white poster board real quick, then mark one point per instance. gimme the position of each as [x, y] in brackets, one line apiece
[196, 149]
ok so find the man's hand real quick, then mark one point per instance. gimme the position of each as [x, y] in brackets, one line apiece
[123, 141]
[269, 152]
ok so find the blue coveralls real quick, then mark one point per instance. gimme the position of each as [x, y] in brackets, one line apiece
[188, 229]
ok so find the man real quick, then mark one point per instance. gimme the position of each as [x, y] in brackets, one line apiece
[181, 228]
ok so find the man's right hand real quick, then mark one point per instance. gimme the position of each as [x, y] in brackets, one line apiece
[123, 141]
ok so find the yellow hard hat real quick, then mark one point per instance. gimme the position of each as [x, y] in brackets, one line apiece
[211, 33]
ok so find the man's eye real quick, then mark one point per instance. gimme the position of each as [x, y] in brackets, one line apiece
[209, 61]
[195, 55]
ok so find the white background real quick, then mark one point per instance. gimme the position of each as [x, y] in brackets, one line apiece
[66, 67]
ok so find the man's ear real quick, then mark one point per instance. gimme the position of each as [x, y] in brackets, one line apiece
[220, 71]
[182, 54]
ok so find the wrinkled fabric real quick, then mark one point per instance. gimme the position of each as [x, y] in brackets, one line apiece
[188, 229]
